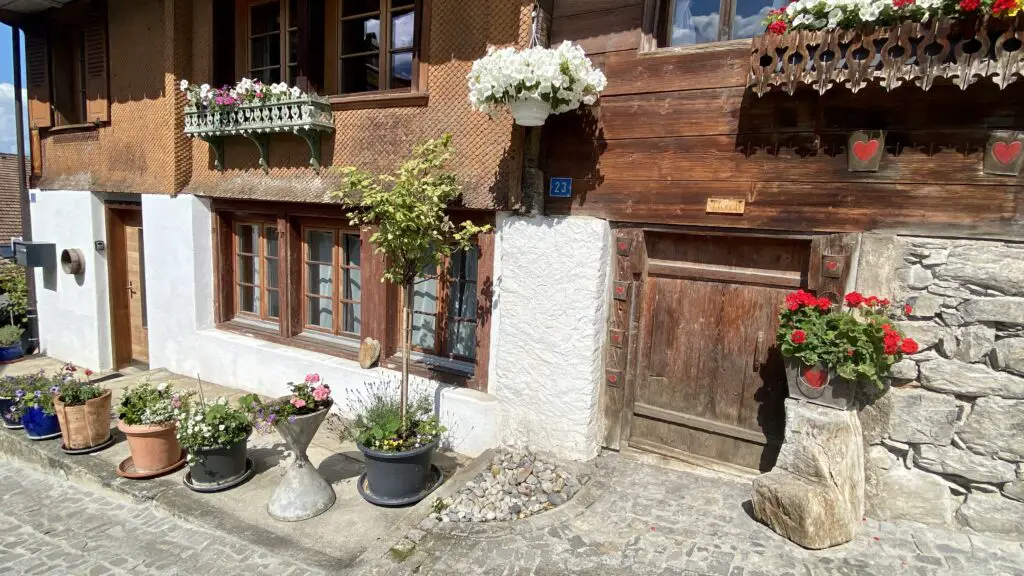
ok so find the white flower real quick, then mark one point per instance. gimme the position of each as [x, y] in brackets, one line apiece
[222, 427]
[204, 90]
[183, 85]
[161, 387]
[295, 92]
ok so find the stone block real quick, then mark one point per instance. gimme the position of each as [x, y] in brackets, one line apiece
[916, 277]
[922, 417]
[1014, 490]
[905, 369]
[989, 264]
[925, 306]
[874, 419]
[1008, 355]
[1003, 309]
[951, 289]
[975, 342]
[881, 458]
[904, 494]
[936, 258]
[974, 380]
[995, 428]
[948, 346]
[956, 462]
[805, 512]
[926, 334]
[951, 317]
[992, 514]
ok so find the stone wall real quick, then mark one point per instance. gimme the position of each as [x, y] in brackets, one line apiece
[946, 445]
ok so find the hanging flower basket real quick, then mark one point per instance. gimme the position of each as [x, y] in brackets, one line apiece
[534, 83]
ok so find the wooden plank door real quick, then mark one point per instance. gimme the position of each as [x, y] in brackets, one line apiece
[127, 279]
[710, 382]
[136, 288]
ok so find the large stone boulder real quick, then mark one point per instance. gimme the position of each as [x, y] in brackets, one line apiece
[975, 342]
[1009, 355]
[991, 265]
[815, 494]
[995, 428]
[973, 380]
[992, 514]
[910, 494]
[950, 460]
[1006, 310]
[926, 334]
[919, 416]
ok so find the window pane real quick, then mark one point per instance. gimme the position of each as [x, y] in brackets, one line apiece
[293, 13]
[749, 14]
[694, 21]
[248, 238]
[248, 270]
[462, 338]
[264, 18]
[424, 296]
[401, 70]
[265, 51]
[423, 331]
[402, 29]
[352, 290]
[401, 3]
[321, 246]
[321, 312]
[360, 35]
[293, 47]
[320, 280]
[273, 304]
[353, 7]
[360, 74]
[352, 318]
[352, 245]
[270, 234]
[248, 299]
[267, 75]
[271, 273]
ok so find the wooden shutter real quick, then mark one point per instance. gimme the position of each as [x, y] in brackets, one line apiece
[97, 104]
[830, 263]
[37, 72]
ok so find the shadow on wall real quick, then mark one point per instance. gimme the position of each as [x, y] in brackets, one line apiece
[572, 145]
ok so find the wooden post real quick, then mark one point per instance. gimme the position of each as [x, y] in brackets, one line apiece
[406, 346]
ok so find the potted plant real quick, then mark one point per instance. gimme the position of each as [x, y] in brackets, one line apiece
[534, 82]
[303, 493]
[8, 412]
[215, 436]
[830, 350]
[146, 417]
[83, 410]
[10, 343]
[413, 233]
[398, 449]
[33, 405]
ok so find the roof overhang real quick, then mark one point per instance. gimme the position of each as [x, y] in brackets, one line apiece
[15, 12]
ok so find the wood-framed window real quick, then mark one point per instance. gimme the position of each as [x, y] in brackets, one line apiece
[377, 45]
[272, 41]
[688, 22]
[332, 286]
[257, 255]
[444, 307]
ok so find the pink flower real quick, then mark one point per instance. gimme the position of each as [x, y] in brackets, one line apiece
[312, 378]
[298, 402]
[176, 401]
[321, 393]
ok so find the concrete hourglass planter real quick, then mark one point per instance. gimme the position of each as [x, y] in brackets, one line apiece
[303, 493]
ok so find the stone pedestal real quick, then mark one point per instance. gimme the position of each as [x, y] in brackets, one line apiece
[815, 494]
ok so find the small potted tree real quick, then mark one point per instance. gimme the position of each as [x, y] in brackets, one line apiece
[216, 437]
[303, 493]
[146, 417]
[83, 410]
[33, 405]
[413, 233]
[10, 344]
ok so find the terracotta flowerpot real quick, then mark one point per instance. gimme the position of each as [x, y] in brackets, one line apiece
[819, 384]
[86, 425]
[154, 447]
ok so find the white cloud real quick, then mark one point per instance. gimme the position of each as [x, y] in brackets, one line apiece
[8, 136]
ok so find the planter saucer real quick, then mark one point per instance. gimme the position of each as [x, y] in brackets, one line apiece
[126, 469]
[47, 437]
[250, 469]
[102, 445]
[13, 426]
[379, 501]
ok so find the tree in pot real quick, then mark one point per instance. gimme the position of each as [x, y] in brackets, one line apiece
[146, 417]
[414, 233]
[303, 493]
[33, 405]
[831, 350]
[10, 343]
[83, 410]
[216, 438]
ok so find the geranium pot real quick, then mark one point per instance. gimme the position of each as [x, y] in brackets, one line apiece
[154, 447]
[819, 384]
[529, 111]
[218, 466]
[86, 425]
[398, 476]
[11, 353]
[38, 424]
[303, 493]
[10, 421]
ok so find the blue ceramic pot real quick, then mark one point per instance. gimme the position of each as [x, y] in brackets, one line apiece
[39, 424]
[5, 413]
[11, 353]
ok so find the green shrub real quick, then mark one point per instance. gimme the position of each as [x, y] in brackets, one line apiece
[12, 283]
[10, 335]
[378, 421]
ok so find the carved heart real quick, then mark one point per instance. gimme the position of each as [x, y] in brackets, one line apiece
[815, 377]
[865, 150]
[832, 265]
[1004, 152]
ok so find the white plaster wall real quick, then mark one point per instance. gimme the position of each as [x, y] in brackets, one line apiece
[182, 338]
[74, 311]
[551, 302]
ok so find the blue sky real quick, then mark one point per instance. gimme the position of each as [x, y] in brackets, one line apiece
[8, 137]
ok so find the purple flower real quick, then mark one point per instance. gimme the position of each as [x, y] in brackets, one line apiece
[54, 390]
[39, 394]
[272, 418]
[19, 393]
[291, 419]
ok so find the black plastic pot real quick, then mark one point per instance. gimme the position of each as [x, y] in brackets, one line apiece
[399, 476]
[217, 466]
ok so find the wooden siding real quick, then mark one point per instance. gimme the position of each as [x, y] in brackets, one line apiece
[677, 126]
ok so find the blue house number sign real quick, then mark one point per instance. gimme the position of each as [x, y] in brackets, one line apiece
[561, 188]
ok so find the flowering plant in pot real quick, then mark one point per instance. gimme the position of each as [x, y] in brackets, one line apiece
[831, 350]
[848, 15]
[9, 411]
[10, 343]
[33, 405]
[83, 410]
[245, 91]
[216, 437]
[534, 82]
[303, 493]
[146, 417]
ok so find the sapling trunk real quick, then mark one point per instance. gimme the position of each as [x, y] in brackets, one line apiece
[406, 347]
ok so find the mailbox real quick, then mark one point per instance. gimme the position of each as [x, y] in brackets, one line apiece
[35, 254]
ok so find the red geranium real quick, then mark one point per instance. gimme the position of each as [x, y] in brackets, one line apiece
[794, 300]
[824, 304]
[907, 309]
[871, 301]
[969, 5]
[798, 337]
[909, 346]
[902, 3]
[777, 27]
[854, 299]
[1000, 7]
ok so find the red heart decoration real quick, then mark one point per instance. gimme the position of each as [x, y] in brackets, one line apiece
[1006, 152]
[865, 150]
[831, 265]
[815, 377]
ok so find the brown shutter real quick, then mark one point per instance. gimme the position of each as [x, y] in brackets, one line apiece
[37, 72]
[830, 263]
[97, 104]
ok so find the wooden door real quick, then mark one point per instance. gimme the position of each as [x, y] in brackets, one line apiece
[710, 382]
[127, 276]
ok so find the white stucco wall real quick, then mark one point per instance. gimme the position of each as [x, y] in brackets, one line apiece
[550, 317]
[182, 338]
[74, 311]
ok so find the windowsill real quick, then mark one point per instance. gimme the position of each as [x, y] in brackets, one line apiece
[697, 48]
[401, 99]
[73, 128]
[457, 368]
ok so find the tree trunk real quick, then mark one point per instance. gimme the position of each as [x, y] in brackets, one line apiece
[406, 347]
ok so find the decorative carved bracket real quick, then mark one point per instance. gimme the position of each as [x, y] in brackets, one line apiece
[217, 145]
[262, 143]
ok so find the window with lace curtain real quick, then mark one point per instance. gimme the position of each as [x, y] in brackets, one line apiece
[686, 22]
[444, 307]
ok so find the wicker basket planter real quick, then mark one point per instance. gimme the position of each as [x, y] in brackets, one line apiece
[86, 425]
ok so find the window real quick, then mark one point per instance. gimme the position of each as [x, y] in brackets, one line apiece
[256, 271]
[333, 281]
[699, 21]
[68, 62]
[273, 40]
[451, 332]
[377, 45]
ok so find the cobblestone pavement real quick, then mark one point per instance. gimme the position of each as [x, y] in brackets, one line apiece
[59, 529]
[640, 519]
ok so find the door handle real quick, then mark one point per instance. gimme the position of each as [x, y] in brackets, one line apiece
[758, 343]
[131, 288]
